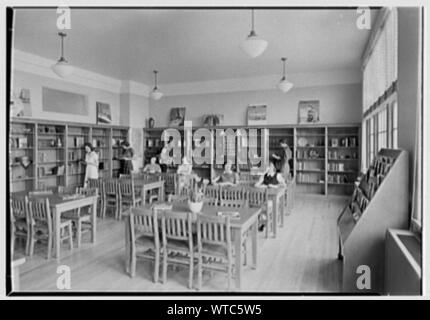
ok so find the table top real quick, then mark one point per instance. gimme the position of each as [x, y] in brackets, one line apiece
[54, 199]
[246, 213]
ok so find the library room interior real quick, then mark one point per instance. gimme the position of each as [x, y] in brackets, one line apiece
[222, 150]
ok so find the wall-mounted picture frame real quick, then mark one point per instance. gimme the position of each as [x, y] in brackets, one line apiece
[257, 114]
[309, 111]
[104, 115]
[177, 117]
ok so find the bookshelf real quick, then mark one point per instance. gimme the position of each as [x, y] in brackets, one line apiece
[77, 136]
[101, 141]
[310, 160]
[51, 155]
[379, 202]
[22, 169]
[119, 135]
[343, 156]
[318, 165]
[45, 154]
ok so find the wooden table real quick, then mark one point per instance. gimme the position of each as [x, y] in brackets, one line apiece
[277, 195]
[248, 222]
[149, 186]
[58, 206]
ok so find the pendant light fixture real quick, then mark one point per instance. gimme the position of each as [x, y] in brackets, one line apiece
[156, 94]
[62, 68]
[253, 44]
[284, 85]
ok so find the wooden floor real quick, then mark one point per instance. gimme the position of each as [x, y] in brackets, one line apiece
[302, 259]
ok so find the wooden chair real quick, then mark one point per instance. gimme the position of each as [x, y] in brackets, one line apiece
[145, 239]
[212, 195]
[214, 246]
[127, 195]
[66, 190]
[42, 225]
[258, 197]
[112, 195]
[170, 183]
[100, 186]
[233, 197]
[81, 217]
[20, 222]
[178, 244]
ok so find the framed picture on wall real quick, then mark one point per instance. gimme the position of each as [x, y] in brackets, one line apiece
[257, 114]
[210, 120]
[177, 117]
[309, 111]
[104, 114]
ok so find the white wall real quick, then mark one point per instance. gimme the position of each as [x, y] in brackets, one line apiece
[340, 103]
[36, 82]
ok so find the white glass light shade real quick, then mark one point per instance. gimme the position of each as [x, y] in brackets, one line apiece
[284, 85]
[254, 45]
[62, 68]
[156, 94]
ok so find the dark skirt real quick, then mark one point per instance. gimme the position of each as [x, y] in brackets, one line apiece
[126, 167]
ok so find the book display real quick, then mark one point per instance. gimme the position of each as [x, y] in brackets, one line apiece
[45, 154]
[379, 202]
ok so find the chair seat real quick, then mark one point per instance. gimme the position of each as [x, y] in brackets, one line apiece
[180, 245]
[130, 199]
[214, 250]
[145, 241]
[74, 216]
[21, 224]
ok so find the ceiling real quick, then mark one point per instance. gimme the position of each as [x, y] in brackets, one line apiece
[194, 44]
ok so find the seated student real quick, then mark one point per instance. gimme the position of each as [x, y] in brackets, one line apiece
[271, 178]
[228, 177]
[152, 167]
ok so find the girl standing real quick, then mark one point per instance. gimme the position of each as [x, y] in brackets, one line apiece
[91, 162]
[126, 158]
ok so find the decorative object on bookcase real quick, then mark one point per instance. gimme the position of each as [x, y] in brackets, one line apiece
[103, 113]
[151, 123]
[210, 120]
[257, 114]
[177, 117]
[309, 111]
[379, 202]
[25, 161]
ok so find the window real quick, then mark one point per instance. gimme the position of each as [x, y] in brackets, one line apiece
[379, 89]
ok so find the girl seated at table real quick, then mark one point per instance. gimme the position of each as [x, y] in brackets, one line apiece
[228, 177]
[152, 167]
[271, 178]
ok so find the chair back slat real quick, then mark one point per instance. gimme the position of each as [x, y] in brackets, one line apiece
[212, 195]
[213, 230]
[18, 207]
[126, 187]
[176, 226]
[144, 221]
[233, 197]
[97, 183]
[257, 197]
[111, 187]
[39, 211]
[87, 191]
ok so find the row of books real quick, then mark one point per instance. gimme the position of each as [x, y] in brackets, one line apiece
[309, 178]
[343, 142]
[335, 155]
[339, 178]
[307, 166]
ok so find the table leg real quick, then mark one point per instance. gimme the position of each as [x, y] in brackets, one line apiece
[254, 236]
[127, 244]
[282, 204]
[238, 258]
[143, 195]
[57, 220]
[275, 215]
[94, 222]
